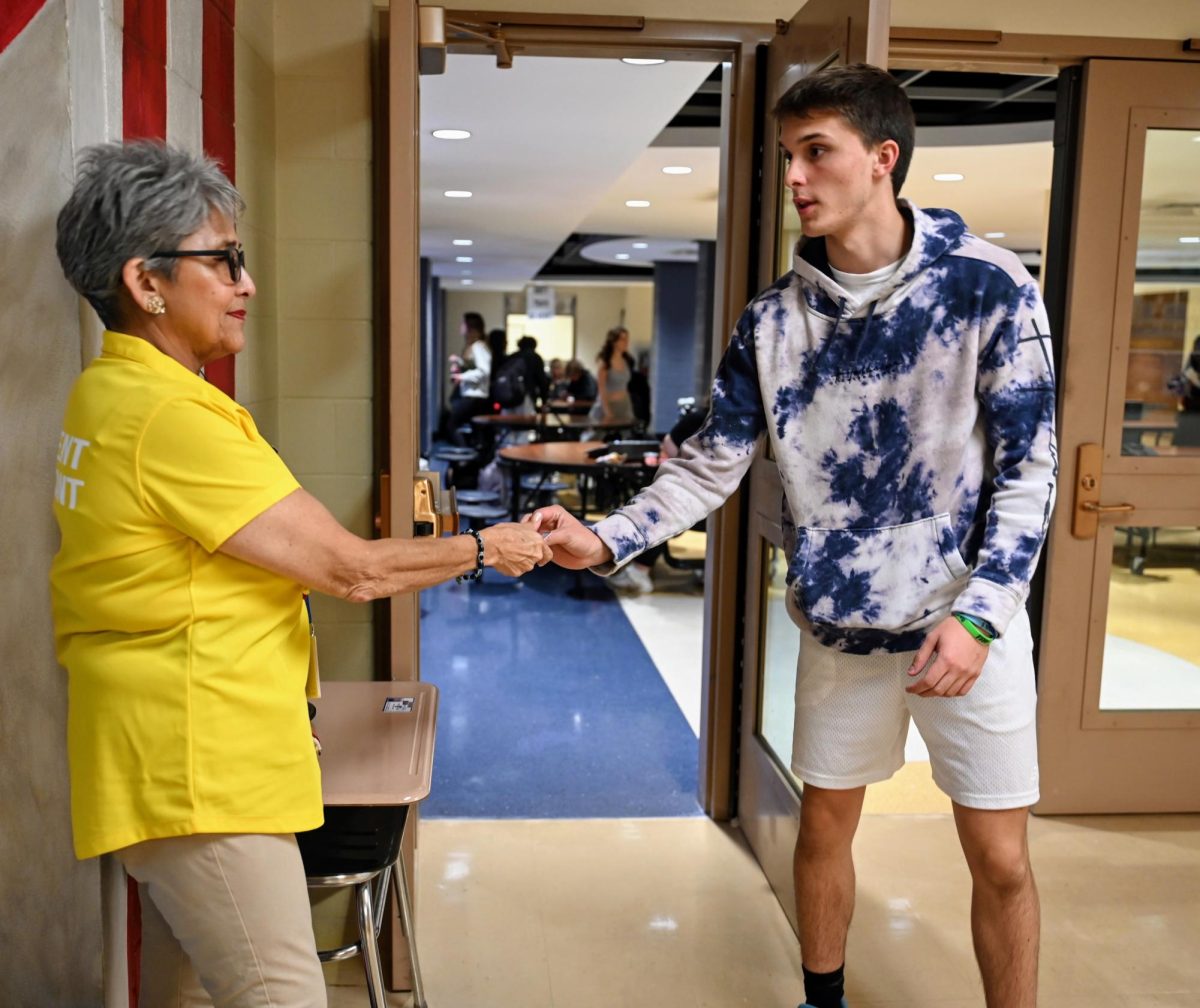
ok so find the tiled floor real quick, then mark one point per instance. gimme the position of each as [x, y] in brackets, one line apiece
[571, 913]
[674, 912]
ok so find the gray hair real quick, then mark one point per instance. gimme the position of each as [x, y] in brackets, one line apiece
[131, 200]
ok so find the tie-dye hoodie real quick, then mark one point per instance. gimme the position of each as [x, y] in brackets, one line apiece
[914, 434]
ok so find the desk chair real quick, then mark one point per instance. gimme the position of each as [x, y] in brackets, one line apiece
[461, 464]
[478, 497]
[540, 489]
[479, 515]
[358, 846]
[376, 764]
[683, 562]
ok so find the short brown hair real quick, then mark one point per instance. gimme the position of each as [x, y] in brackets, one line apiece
[868, 98]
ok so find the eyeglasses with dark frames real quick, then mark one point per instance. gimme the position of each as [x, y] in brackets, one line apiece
[234, 256]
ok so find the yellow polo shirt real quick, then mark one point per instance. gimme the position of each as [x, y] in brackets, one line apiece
[186, 667]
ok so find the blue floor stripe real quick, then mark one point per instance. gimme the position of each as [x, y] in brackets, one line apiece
[550, 706]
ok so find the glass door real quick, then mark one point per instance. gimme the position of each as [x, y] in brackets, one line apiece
[1119, 686]
[824, 33]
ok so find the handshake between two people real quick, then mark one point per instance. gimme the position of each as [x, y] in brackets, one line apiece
[549, 533]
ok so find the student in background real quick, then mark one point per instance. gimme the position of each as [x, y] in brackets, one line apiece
[558, 379]
[581, 383]
[472, 381]
[537, 382]
[1187, 386]
[613, 371]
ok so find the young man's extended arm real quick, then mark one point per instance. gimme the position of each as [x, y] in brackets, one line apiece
[687, 488]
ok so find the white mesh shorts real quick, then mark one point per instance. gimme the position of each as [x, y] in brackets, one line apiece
[852, 718]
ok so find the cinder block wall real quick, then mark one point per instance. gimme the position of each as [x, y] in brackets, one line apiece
[304, 166]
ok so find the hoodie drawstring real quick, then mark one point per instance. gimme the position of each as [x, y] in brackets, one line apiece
[865, 333]
[816, 368]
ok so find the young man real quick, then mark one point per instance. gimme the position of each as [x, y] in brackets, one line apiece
[902, 374]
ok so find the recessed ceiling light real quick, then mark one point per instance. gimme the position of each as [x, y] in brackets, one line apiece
[621, 255]
[677, 170]
[458, 193]
[948, 176]
[464, 258]
[1190, 240]
[467, 283]
[634, 61]
[637, 203]
[995, 234]
[640, 245]
[451, 134]
[462, 241]
[1196, 139]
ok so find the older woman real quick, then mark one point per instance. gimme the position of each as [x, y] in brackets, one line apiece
[178, 591]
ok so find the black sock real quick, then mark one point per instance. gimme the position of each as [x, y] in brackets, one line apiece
[824, 990]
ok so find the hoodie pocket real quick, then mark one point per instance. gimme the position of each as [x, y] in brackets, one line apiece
[902, 577]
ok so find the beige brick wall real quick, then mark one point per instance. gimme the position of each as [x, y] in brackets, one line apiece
[257, 381]
[304, 165]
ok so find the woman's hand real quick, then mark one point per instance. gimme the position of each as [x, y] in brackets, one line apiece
[514, 549]
[574, 545]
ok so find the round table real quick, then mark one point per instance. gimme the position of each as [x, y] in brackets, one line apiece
[543, 422]
[569, 457]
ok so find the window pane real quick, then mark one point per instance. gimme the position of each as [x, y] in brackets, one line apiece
[555, 336]
[780, 646]
[1150, 649]
[1162, 410]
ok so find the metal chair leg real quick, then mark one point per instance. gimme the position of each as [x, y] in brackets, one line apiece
[382, 883]
[369, 946]
[403, 897]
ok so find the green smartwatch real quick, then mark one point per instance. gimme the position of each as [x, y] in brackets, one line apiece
[980, 629]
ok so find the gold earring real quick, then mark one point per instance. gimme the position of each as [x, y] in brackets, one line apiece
[155, 305]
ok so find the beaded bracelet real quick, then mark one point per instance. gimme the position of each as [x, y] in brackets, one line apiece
[974, 629]
[477, 573]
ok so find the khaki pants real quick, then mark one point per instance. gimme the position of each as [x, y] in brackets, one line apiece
[225, 922]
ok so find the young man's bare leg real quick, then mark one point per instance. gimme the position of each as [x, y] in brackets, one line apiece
[1005, 917]
[824, 874]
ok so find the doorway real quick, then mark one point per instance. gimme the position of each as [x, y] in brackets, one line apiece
[593, 186]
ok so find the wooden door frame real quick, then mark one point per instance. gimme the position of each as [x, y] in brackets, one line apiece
[397, 298]
[403, 314]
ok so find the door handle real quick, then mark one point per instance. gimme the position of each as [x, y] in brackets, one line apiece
[435, 509]
[1102, 509]
[1085, 519]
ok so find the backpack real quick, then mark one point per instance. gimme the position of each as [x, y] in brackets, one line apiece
[508, 383]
